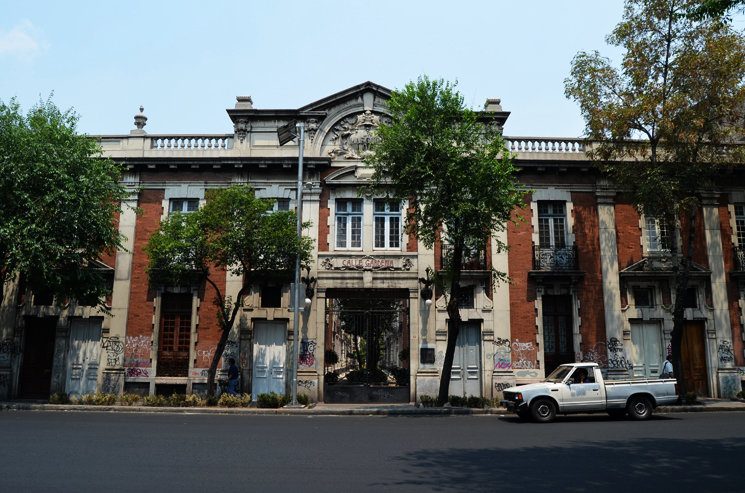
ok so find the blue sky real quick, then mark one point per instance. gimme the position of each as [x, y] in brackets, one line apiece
[186, 61]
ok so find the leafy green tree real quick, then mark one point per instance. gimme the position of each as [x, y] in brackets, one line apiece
[59, 202]
[714, 9]
[453, 164]
[234, 231]
[663, 123]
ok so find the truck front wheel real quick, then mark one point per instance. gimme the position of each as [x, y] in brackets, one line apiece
[543, 410]
[639, 408]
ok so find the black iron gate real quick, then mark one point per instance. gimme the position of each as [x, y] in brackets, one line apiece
[367, 349]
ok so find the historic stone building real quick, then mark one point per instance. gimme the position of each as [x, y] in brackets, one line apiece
[590, 277]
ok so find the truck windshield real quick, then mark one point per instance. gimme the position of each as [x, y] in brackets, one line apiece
[558, 374]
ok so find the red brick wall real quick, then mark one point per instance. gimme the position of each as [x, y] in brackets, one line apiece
[520, 261]
[587, 242]
[323, 220]
[140, 316]
[208, 330]
[412, 244]
[733, 293]
[699, 239]
[628, 234]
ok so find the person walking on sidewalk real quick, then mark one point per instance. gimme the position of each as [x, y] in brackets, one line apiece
[233, 375]
[667, 368]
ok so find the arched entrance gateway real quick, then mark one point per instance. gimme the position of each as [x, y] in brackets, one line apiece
[367, 346]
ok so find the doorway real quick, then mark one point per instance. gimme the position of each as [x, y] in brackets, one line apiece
[558, 346]
[465, 379]
[83, 356]
[269, 356]
[38, 357]
[366, 350]
[693, 357]
[646, 349]
[175, 335]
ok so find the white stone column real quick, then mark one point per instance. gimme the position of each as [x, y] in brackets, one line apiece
[727, 379]
[113, 344]
[502, 375]
[609, 266]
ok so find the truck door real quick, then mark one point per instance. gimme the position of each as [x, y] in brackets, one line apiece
[582, 396]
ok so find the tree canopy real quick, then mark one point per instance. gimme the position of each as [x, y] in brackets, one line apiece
[59, 202]
[665, 121]
[235, 231]
[452, 163]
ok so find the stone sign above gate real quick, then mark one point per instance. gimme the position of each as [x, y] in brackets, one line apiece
[367, 263]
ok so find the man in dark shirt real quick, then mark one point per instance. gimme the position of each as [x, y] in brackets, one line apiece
[232, 377]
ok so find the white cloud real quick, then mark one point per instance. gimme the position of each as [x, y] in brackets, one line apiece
[22, 41]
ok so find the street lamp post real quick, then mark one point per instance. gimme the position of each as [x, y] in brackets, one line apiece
[287, 133]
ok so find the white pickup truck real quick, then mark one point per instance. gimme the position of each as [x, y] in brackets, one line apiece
[579, 388]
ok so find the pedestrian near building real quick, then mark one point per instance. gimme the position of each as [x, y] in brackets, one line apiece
[232, 377]
[667, 368]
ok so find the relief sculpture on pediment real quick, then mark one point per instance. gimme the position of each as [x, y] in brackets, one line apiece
[352, 136]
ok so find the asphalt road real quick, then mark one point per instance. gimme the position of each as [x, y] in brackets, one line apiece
[73, 451]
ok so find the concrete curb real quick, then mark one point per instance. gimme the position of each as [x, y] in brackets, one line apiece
[330, 411]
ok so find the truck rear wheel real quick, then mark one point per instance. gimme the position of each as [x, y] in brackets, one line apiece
[639, 408]
[543, 410]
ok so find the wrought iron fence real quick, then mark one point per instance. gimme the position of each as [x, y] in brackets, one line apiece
[474, 258]
[555, 258]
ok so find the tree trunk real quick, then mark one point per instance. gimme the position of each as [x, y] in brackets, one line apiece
[453, 323]
[682, 271]
[227, 319]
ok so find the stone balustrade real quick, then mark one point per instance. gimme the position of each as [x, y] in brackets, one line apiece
[545, 144]
[191, 142]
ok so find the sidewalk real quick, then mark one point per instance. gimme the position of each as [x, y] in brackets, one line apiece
[321, 409]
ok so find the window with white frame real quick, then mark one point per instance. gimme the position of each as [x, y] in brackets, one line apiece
[551, 224]
[281, 205]
[740, 224]
[184, 206]
[349, 223]
[658, 239]
[387, 217]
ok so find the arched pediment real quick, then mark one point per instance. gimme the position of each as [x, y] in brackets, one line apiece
[350, 175]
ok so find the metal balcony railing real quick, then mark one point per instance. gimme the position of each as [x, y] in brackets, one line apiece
[555, 258]
[473, 258]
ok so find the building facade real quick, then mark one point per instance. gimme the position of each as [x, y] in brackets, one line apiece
[590, 277]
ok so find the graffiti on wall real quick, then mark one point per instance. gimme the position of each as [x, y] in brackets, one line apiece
[205, 355]
[114, 349]
[8, 346]
[502, 356]
[111, 383]
[306, 384]
[595, 354]
[230, 351]
[137, 351]
[199, 372]
[523, 355]
[502, 386]
[730, 386]
[137, 372]
[726, 356]
[307, 355]
[616, 355]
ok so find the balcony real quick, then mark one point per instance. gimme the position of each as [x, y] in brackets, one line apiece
[474, 258]
[555, 258]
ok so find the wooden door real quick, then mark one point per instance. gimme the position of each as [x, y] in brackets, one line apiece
[269, 358]
[38, 355]
[465, 378]
[558, 345]
[83, 356]
[175, 335]
[646, 349]
[693, 357]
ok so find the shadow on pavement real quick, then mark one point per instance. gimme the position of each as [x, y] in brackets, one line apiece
[629, 466]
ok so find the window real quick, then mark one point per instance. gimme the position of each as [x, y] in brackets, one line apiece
[690, 299]
[271, 296]
[427, 355]
[349, 223]
[183, 206]
[387, 224]
[551, 224]
[643, 297]
[657, 235]
[281, 205]
[466, 297]
[740, 224]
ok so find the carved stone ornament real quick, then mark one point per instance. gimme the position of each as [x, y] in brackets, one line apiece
[354, 134]
[367, 262]
[311, 127]
[241, 128]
